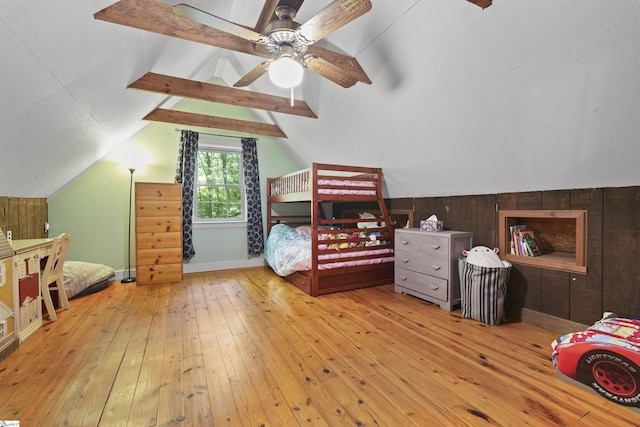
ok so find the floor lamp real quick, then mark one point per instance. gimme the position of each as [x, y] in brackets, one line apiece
[129, 278]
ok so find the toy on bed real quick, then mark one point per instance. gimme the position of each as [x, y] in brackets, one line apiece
[83, 278]
[604, 357]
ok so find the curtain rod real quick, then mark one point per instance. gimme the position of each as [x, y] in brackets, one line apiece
[216, 134]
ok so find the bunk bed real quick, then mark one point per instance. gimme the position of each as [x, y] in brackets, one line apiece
[339, 254]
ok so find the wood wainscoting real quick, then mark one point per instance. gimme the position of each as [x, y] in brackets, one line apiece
[244, 347]
[25, 217]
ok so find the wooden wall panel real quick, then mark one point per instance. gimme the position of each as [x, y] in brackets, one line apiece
[530, 200]
[452, 215]
[24, 217]
[621, 234]
[586, 290]
[555, 293]
[4, 212]
[14, 217]
[486, 232]
[612, 282]
[507, 201]
[523, 289]
[469, 214]
[558, 200]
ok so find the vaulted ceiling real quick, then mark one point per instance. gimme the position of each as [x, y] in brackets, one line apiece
[456, 89]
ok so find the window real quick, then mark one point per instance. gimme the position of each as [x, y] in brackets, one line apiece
[219, 185]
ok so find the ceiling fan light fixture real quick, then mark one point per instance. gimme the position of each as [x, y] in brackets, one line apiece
[286, 72]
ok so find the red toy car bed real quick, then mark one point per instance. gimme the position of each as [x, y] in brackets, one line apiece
[605, 357]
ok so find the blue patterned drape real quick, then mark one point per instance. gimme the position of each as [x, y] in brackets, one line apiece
[185, 174]
[255, 235]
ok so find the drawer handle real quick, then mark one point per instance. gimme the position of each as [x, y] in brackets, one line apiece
[404, 242]
[436, 267]
[403, 278]
[434, 287]
[404, 260]
[435, 247]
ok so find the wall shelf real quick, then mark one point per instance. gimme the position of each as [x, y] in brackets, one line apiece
[561, 234]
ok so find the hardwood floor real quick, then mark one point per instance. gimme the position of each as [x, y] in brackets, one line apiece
[243, 347]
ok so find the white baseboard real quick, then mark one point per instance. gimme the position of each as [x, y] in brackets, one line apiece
[209, 266]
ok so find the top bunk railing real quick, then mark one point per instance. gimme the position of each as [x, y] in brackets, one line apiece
[324, 180]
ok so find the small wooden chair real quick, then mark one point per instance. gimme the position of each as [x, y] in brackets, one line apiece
[53, 275]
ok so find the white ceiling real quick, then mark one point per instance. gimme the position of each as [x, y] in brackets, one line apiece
[520, 96]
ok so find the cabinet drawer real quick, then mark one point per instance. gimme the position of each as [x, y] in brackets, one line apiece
[159, 273]
[158, 224]
[145, 208]
[158, 191]
[427, 245]
[438, 267]
[158, 240]
[425, 284]
[158, 256]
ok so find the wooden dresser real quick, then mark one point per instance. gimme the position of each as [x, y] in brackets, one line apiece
[158, 232]
[426, 264]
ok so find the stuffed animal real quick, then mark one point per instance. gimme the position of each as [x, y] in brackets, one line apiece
[484, 257]
[369, 224]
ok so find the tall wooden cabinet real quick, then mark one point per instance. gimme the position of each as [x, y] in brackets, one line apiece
[158, 232]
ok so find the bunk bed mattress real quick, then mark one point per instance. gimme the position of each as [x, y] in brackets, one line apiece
[296, 184]
[368, 187]
[288, 250]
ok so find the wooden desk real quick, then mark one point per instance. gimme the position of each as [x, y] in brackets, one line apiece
[27, 294]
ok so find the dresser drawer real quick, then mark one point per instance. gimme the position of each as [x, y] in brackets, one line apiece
[427, 245]
[414, 261]
[158, 240]
[150, 208]
[158, 256]
[159, 273]
[153, 224]
[159, 191]
[425, 284]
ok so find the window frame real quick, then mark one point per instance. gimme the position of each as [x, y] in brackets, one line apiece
[219, 222]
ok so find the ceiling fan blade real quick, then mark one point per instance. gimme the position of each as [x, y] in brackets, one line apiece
[349, 66]
[213, 21]
[329, 71]
[253, 75]
[337, 14]
[152, 15]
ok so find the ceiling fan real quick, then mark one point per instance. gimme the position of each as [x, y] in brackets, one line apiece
[288, 40]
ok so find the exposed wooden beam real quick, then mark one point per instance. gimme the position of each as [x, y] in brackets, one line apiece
[266, 15]
[157, 17]
[151, 15]
[269, 8]
[214, 122]
[482, 3]
[176, 86]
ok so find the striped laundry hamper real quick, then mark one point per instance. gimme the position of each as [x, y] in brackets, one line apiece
[483, 291]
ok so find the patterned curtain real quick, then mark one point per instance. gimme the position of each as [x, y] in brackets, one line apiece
[255, 235]
[185, 175]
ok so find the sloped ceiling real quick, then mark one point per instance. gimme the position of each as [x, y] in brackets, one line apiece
[519, 96]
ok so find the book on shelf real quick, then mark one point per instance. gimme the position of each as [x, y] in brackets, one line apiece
[516, 247]
[532, 247]
[523, 241]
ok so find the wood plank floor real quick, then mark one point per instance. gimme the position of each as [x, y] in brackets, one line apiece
[243, 347]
